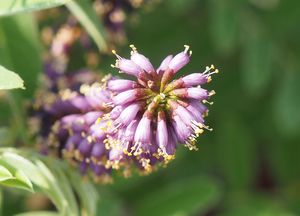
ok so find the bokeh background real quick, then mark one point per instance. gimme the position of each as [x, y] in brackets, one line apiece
[249, 164]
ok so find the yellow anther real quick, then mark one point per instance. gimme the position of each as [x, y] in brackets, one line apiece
[98, 120]
[212, 92]
[133, 47]
[186, 48]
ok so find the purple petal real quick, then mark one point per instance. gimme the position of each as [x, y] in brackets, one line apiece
[162, 131]
[181, 130]
[128, 114]
[164, 64]
[143, 131]
[91, 117]
[142, 61]
[197, 93]
[85, 147]
[179, 61]
[129, 67]
[129, 96]
[184, 115]
[121, 84]
[197, 113]
[194, 79]
[98, 150]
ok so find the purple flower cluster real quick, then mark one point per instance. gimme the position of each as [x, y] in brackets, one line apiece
[153, 114]
[120, 123]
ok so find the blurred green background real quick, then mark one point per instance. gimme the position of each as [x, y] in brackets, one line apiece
[249, 164]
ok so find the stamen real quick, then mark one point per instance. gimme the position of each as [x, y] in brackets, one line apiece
[134, 49]
[207, 102]
[212, 92]
[186, 48]
[209, 69]
[213, 72]
[115, 53]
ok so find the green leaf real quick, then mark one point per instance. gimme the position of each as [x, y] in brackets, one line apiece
[39, 213]
[184, 197]
[51, 181]
[255, 205]
[20, 48]
[9, 7]
[63, 185]
[5, 174]
[86, 192]
[224, 24]
[9, 79]
[1, 202]
[88, 18]
[110, 203]
[20, 163]
[20, 51]
[287, 103]
[19, 178]
[235, 154]
[257, 56]
[20, 181]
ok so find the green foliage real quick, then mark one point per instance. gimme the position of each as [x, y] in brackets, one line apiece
[258, 205]
[20, 51]
[258, 54]
[236, 156]
[286, 103]
[85, 14]
[224, 25]
[182, 197]
[9, 7]
[87, 194]
[19, 45]
[49, 177]
[40, 213]
[9, 79]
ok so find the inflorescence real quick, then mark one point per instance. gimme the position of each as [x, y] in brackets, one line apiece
[119, 124]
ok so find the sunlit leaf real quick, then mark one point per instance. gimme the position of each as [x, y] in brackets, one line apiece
[9, 7]
[30, 170]
[20, 51]
[9, 79]
[64, 185]
[183, 197]
[20, 48]
[86, 15]
[4, 174]
[1, 202]
[64, 202]
[39, 213]
[20, 180]
[52, 182]
[86, 192]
